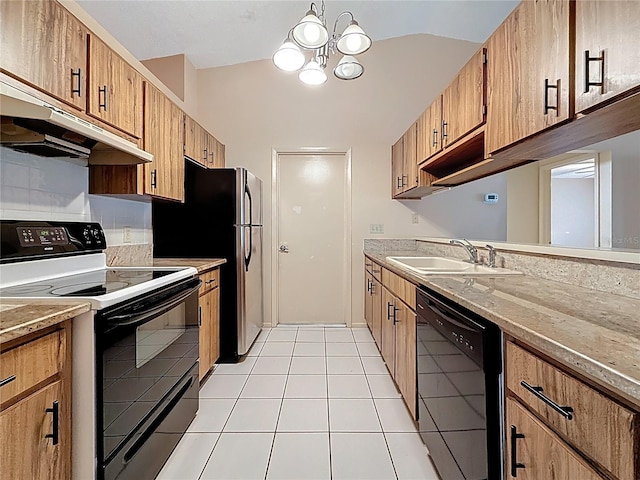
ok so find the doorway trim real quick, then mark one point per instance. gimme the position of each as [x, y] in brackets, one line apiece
[346, 269]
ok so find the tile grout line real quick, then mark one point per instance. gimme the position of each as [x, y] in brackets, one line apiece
[326, 380]
[273, 441]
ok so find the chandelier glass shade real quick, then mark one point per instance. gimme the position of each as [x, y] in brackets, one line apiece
[311, 34]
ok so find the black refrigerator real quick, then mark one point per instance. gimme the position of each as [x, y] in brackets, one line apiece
[220, 217]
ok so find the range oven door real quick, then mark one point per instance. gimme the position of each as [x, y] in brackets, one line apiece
[147, 395]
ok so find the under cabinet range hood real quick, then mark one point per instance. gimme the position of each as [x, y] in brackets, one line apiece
[34, 126]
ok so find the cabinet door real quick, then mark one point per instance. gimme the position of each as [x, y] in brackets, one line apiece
[368, 300]
[397, 166]
[410, 164]
[33, 456]
[604, 34]
[463, 101]
[45, 46]
[388, 330]
[206, 333]
[376, 309]
[429, 131]
[194, 146]
[164, 177]
[405, 363]
[528, 73]
[215, 325]
[216, 152]
[542, 454]
[115, 89]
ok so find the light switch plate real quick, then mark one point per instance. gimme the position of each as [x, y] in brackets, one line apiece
[415, 218]
[376, 228]
[126, 235]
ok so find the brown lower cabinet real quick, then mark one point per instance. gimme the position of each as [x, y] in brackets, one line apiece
[534, 452]
[35, 414]
[209, 320]
[391, 317]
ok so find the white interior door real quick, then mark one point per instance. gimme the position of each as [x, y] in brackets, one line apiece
[312, 249]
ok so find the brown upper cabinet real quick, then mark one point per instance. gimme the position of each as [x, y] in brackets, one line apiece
[397, 167]
[410, 161]
[528, 73]
[463, 101]
[115, 89]
[429, 131]
[46, 47]
[202, 147]
[163, 121]
[607, 51]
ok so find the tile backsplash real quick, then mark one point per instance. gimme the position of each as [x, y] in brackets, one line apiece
[37, 188]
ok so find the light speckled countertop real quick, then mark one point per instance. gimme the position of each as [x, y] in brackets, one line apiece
[595, 333]
[202, 264]
[20, 318]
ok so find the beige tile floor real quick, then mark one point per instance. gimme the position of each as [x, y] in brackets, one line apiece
[306, 403]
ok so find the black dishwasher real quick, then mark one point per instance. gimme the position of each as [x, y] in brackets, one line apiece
[459, 368]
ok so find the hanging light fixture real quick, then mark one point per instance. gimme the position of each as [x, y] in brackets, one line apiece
[311, 34]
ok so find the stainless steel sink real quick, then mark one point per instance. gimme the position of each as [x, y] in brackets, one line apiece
[447, 266]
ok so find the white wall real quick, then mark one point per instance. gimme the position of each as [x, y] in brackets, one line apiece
[523, 204]
[625, 196]
[36, 188]
[254, 107]
[573, 212]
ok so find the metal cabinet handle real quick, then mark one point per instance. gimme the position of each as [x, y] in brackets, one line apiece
[199, 316]
[211, 154]
[154, 177]
[548, 107]
[395, 317]
[389, 305]
[102, 104]
[435, 137]
[444, 131]
[79, 89]
[55, 410]
[403, 182]
[9, 379]
[369, 286]
[514, 455]
[206, 155]
[209, 282]
[399, 183]
[588, 83]
[566, 412]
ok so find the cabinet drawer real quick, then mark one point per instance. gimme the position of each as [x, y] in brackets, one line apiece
[537, 452]
[210, 279]
[31, 364]
[404, 290]
[600, 428]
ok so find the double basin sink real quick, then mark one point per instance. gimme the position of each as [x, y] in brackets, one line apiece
[447, 266]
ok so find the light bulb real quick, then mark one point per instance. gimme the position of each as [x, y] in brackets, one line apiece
[311, 32]
[354, 43]
[348, 69]
[312, 74]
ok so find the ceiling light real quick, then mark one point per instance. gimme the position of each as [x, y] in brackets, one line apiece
[353, 40]
[348, 68]
[289, 57]
[312, 74]
[311, 34]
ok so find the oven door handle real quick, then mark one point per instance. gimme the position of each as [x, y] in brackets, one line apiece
[154, 311]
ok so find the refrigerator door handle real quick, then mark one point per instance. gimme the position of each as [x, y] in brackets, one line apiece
[247, 258]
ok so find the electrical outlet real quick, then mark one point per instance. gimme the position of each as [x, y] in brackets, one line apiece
[376, 228]
[126, 234]
[415, 218]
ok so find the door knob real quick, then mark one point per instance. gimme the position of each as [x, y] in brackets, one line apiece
[284, 248]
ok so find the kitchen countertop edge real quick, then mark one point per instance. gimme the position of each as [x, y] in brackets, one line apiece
[608, 377]
[22, 318]
[201, 264]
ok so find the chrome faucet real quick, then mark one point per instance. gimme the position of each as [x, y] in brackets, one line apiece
[471, 250]
[492, 255]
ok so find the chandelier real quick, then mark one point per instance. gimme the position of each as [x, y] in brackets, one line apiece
[311, 34]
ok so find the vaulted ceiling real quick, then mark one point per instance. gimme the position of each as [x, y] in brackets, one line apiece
[221, 32]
